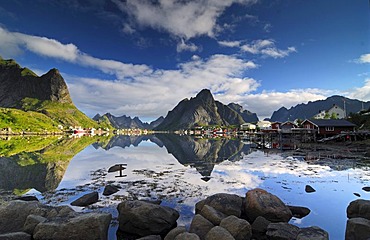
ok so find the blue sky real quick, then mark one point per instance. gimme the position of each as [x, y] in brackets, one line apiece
[141, 57]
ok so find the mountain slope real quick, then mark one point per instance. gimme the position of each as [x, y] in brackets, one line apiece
[303, 111]
[24, 90]
[200, 111]
[247, 116]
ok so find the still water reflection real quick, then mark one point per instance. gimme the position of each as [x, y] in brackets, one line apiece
[181, 170]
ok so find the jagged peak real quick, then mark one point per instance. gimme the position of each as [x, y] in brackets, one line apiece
[204, 94]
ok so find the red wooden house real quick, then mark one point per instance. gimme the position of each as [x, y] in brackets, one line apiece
[327, 127]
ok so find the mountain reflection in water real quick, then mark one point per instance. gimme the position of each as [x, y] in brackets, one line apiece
[170, 168]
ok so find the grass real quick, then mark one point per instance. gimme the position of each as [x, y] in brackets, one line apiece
[19, 121]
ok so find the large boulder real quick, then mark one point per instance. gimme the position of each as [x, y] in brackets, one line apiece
[86, 200]
[200, 226]
[262, 203]
[228, 204]
[84, 226]
[240, 229]
[187, 236]
[218, 233]
[174, 232]
[212, 214]
[312, 233]
[144, 218]
[357, 229]
[14, 214]
[31, 222]
[109, 190]
[282, 231]
[359, 208]
[259, 227]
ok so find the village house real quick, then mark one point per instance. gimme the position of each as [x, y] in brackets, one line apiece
[326, 127]
[287, 126]
[264, 125]
[275, 125]
[335, 112]
[248, 127]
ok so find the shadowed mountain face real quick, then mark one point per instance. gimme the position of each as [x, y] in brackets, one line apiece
[307, 111]
[18, 83]
[202, 154]
[201, 110]
[247, 116]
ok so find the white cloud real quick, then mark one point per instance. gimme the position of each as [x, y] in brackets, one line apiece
[184, 19]
[362, 93]
[182, 46]
[229, 43]
[365, 58]
[13, 43]
[264, 47]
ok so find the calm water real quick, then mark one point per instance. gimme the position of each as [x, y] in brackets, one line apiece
[180, 170]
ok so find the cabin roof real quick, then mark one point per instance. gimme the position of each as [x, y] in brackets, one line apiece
[331, 122]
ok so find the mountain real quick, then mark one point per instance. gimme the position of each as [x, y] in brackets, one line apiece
[19, 83]
[201, 110]
[307, 111]
[22, 89]
[247, 116]
[127, 122]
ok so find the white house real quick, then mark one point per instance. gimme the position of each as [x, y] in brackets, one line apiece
[334, 112]
[248, 127]
[264, 125]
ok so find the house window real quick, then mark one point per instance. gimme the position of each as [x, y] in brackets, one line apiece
[329, 129]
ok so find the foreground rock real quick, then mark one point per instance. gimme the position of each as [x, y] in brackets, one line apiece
[358, 224]
[261, 203]
[228, 204]
[86, 226]
[299, 212]
[33, 220]
[86, 200]
[144, 218]
[359, 208]
[357, 228]
[312, 233]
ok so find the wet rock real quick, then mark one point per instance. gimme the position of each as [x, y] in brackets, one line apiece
[14, 214]
[187, 236]
[282, 231]
[357, 228]
[212, 215]
[312, 233]
[174, 232]
[200, 226]
[262, 203]
[309, 189]
[86, 200]
[15, 236]
[366, 189]
[27, 198]
[151, 237]
[31, 222]
[109, 190]
[143, 218]
[116, 168]
[85, 226]
[359, 208]
[357, 194]
[259, 227]
[299, 212]
[228, 204]
[240, 229]
[217, 233]
[199, 206]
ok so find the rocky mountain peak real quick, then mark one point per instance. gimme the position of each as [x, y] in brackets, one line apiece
[19, 83]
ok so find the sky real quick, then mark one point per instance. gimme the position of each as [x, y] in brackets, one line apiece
[142, 57]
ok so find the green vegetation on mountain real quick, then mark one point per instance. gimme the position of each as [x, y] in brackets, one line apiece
[37, 104]
[19, 121]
